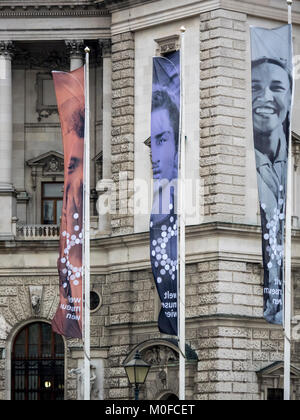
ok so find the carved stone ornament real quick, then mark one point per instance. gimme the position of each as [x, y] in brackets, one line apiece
[93, 380]
[36, 293]
[167, 44]
[75, 47]
[54, 165]
[6, 49]
[160, 355]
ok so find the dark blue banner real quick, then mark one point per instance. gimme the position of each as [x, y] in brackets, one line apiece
[272, 86]
[165, 118]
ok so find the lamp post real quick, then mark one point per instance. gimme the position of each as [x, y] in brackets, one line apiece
[137, 371]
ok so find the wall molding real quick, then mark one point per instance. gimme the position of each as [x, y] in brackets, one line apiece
[138, 18]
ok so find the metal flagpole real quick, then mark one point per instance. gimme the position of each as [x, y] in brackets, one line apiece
[87, 356]
[288, 257]
[181, 297]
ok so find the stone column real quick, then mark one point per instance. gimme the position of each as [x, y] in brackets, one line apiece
[105, 45]
[75, 49]
[6, 139]
[105, 186]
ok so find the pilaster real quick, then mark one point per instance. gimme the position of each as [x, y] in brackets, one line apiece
[122, 142]
[104, 181]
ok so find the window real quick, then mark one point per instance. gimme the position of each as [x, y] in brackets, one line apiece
[52, 200]
[38, 364]
[275, 394]
[95, 301]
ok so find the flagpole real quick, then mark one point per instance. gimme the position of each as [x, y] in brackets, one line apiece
[288, 262]
[87, 356]
[181, 297]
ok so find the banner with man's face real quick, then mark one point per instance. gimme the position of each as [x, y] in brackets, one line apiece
[272, 86]
[69, 88]
[164, 148]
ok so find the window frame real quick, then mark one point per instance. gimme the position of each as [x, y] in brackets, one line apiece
[40, 362]
[54, 199]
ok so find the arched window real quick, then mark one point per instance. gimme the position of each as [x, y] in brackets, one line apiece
[38, 364]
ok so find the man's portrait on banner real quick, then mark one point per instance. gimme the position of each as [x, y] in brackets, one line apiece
[165, 117]
[164, 136]
[71, 105]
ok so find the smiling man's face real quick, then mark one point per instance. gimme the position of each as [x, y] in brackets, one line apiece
[271, 97]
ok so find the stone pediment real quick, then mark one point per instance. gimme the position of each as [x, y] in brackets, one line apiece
[51, 163]
[277, 370]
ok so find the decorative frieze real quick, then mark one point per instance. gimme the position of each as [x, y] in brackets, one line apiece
[56, 9]
[49, 59]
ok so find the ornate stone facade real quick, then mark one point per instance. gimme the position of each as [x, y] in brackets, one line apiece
[232, 353]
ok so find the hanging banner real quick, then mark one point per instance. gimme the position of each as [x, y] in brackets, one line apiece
[165, 118]
[272, 86]
[69, 88]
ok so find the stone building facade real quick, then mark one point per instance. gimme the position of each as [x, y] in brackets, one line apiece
[232, 353]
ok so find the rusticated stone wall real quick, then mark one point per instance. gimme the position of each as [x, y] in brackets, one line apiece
[223, 113]
[224, 328]
[122, 147]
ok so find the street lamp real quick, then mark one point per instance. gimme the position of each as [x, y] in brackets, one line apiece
[137, 371]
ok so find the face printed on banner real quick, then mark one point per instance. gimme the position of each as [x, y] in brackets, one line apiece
[164, 137]
[272, 85]
[163, 222]
[70, 94]
[271, 97]
[73, 200]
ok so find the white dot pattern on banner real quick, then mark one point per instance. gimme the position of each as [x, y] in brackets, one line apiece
[160, 247]
[274, 234]
[71, 273]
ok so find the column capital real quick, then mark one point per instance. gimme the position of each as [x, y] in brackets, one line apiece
[75, 47]
[105, 46]
[6, 49]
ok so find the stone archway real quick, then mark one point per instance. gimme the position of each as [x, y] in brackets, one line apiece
[168, 396]
[37, 364]
[163, 356]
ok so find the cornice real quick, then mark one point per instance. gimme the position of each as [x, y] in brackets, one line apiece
[116, 5]
[162, 11]
[55, 9]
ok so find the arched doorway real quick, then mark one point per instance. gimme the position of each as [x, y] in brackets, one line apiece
[37, 364]
[169, 397]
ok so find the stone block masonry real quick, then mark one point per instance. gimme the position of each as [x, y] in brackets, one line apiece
[223, 114]
[122, 146]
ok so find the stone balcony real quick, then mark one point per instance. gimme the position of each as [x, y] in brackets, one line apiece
[37, 232]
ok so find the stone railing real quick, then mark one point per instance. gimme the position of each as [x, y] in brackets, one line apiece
[37, 232]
